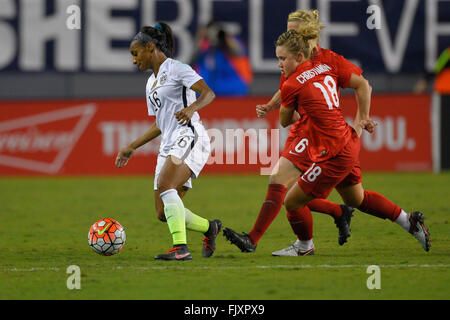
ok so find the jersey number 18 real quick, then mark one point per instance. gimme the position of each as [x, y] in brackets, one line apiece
[332, 89]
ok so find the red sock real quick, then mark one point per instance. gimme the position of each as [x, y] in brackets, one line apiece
[301, 223]
[325, 206]
[377, 205]
[269, 210]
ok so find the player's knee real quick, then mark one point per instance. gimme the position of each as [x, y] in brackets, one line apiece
[163, 186]
[159, 208]
[353, 196]
[278, 178]
[274, 179]
[290, 203]
[356, 200]
[355, 203]
[160, 215]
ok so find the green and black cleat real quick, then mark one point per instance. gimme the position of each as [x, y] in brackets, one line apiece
[177, 253]
[209, 241]
[343, 223]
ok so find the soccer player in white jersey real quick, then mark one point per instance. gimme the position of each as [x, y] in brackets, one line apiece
[185, 145]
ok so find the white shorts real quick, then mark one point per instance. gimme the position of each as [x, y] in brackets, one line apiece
[191, 146]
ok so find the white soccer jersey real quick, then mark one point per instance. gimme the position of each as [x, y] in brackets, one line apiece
[167, 94]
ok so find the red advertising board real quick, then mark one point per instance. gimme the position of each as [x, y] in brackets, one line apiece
[402, 141]
[83, 137]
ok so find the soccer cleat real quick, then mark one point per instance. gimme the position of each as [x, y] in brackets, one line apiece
[343, 224]
[178, 253]
[242, 241]
[294, 250]
[419, 231]
[209, 241]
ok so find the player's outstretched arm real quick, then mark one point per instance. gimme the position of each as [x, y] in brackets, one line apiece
[205, 98]
[126, 153]
[263, 109]
[363, 92]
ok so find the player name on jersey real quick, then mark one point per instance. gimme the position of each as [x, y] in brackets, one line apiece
[311, 73]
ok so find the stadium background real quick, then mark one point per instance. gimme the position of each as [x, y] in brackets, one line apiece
[47, 67]
[70, 99]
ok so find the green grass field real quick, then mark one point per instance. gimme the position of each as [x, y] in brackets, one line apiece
[45, 222]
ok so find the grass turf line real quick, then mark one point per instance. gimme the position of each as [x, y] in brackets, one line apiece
[45, 224]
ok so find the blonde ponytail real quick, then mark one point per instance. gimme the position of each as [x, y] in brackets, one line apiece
[308, 19]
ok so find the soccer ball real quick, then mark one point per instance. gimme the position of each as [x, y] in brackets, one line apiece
[106, 237]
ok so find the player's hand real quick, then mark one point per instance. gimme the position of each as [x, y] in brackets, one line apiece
[123, 156]
[262, 110]
[184, 116]
[368, 125]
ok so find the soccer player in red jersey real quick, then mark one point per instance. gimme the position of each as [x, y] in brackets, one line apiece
[379, 206]
[331, 145]
[290, 166]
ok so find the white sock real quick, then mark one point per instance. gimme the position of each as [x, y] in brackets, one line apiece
[403, 220]
[171, 197]
[305, 245]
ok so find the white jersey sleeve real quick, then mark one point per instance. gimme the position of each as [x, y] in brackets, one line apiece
[148, 90]
[150, 109]
[185, 74]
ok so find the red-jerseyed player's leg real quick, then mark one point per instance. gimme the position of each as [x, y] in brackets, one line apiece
[302, 161]
[324, 206]
[284, 175]
[269, 210]
[369, 202]
[299, 215]
[301, 223]
[377, 205]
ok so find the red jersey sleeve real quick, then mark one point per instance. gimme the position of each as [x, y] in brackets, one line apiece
[288, 95]
[345, 71]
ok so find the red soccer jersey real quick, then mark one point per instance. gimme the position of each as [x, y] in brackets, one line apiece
[345, 68]
[314, 90]
[298, 125]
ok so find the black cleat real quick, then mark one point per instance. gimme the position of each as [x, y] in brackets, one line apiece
[209, 241]
[178, 253]
[419, 231]
[242, 241]
[343, 224]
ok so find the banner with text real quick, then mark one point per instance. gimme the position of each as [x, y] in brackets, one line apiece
[83, 137]
[94, 35]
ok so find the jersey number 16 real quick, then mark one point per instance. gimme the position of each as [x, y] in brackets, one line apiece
[156, 103]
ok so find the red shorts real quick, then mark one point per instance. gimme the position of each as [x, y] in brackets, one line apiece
[354, 177]
[295, 151]
[320, 178]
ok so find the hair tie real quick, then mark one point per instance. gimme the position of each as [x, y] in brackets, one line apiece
[159, 27]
